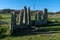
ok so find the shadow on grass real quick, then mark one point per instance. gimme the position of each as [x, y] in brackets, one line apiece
[34, 30]
[49, 24]
[2, 36]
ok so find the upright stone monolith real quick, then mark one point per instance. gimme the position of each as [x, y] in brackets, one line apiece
[25, 18]
[21, 19]
[36, 19]
[45, 16]
[29, 16]
[13, 22]
[40, 18]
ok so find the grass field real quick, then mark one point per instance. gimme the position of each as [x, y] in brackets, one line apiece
[4, 28]
[51, 31]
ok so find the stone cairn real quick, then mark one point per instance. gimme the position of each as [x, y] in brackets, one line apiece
[41, 17]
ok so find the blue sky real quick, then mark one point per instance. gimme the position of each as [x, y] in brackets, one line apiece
[51, 5]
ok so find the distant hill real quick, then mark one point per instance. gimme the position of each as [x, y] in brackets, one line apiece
[33, 12]
[8, 10]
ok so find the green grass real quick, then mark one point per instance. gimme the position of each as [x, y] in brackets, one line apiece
[35, 37]
[33, 17]
[4, 29]
[54, 28]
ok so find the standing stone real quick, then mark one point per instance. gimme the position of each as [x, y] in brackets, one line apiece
[29, 16]
[25, 18]
[21, 19]
[40, 18]
[18, 18]
[36, 19]
[45, 16]
[13, 22]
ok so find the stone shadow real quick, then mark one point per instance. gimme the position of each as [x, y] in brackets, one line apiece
[3, 23]
[34, 30]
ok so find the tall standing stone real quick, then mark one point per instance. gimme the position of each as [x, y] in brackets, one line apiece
[13, 22]
[25, 18]
[45, 16]
[36, 19]
[40, 18]
[29, 16]
[21, 19]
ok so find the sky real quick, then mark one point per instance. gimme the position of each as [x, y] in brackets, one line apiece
[51, 5]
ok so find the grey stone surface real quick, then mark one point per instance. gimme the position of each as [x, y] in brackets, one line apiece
[13, 22]
[45, 16]
[21, 19]
[36, 19]
[29, 17]
[25, 17]
[39, 18]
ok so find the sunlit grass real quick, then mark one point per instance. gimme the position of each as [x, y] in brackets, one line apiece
[53, 36]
